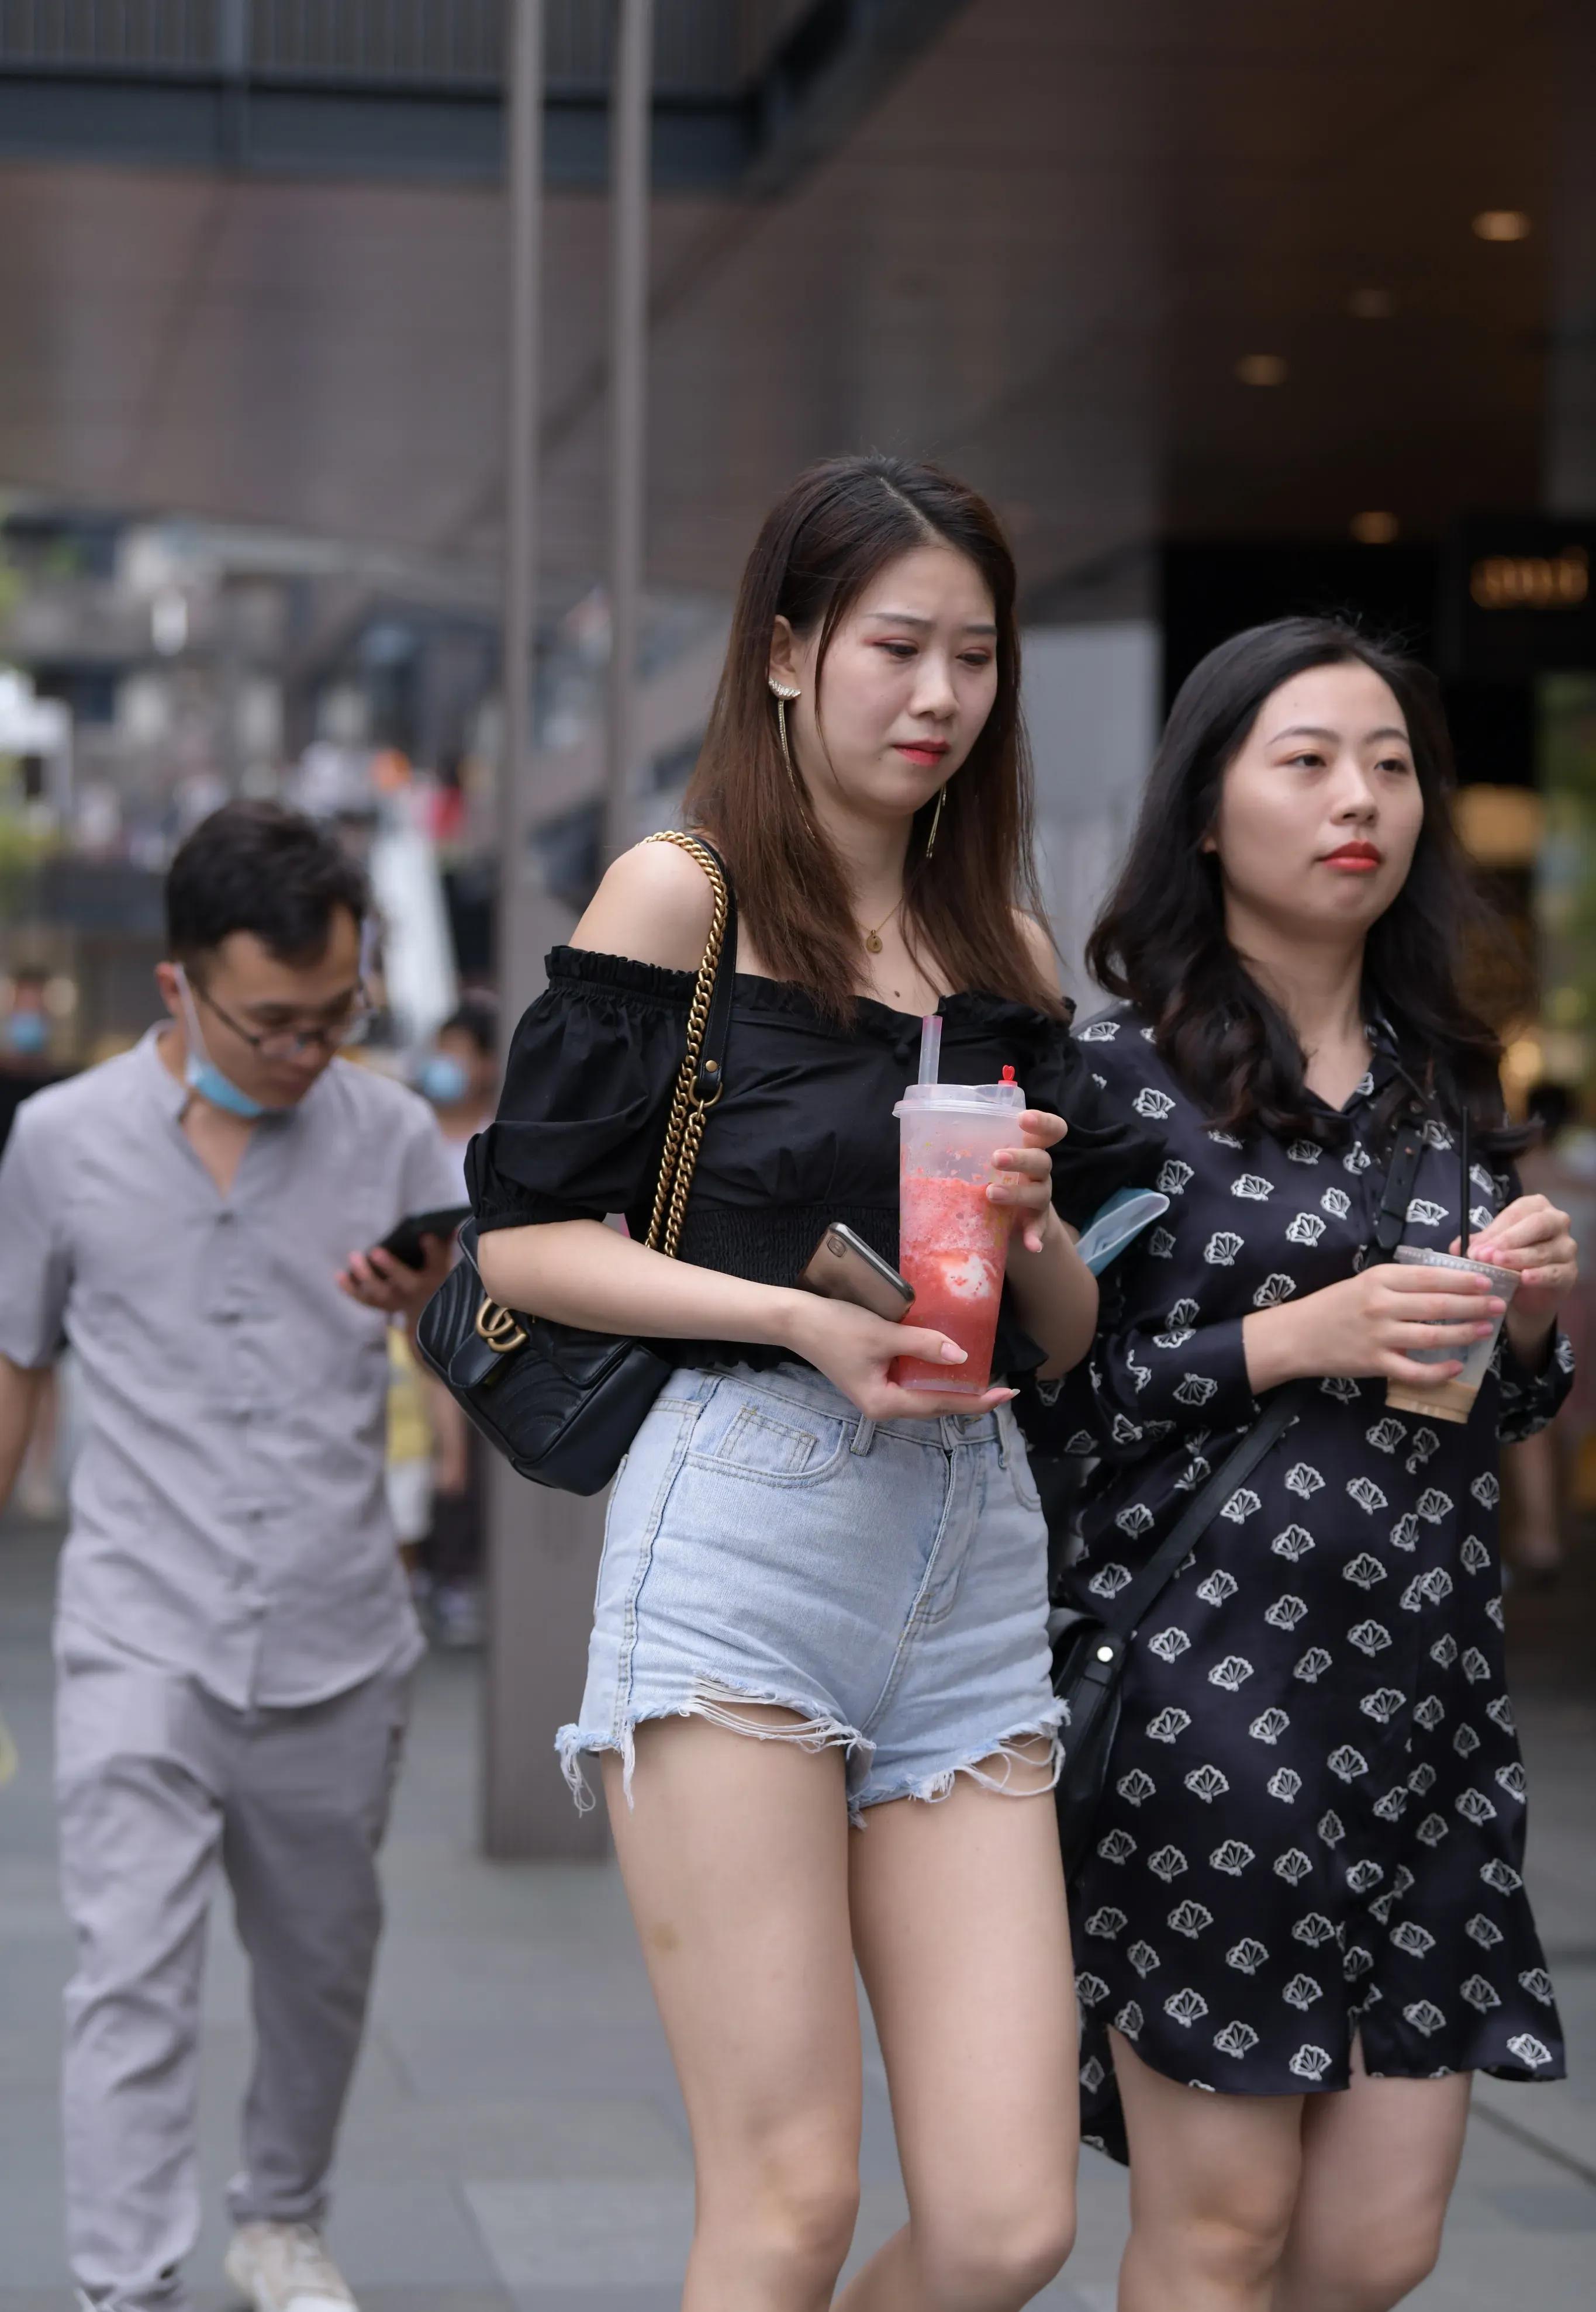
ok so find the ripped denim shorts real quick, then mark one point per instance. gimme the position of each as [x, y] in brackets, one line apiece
[887, 1582]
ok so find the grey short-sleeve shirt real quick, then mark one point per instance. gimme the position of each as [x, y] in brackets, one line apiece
[228, 1508]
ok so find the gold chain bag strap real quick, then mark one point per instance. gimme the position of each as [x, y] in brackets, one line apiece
[688, 1106]
[561, 1404]
[693, 1099]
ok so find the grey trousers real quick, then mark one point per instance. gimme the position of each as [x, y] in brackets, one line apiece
[161, 1790]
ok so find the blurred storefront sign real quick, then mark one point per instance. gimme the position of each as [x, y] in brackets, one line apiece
[1521, 598]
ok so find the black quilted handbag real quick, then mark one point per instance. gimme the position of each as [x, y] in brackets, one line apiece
[563, 1405]
[1090, 1649]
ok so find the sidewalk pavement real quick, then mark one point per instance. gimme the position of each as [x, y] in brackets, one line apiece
[515, 2142]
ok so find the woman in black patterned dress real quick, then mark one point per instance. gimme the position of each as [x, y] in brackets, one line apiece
[1302, 1924]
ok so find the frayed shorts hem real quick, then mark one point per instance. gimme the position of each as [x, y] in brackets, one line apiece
[1005, 1748]
[720, 1702]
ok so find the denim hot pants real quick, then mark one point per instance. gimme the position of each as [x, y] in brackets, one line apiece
[885, 1582]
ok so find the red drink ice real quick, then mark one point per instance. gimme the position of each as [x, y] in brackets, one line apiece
[951, 1242]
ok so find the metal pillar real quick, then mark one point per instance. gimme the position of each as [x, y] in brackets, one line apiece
[542, 1547]
[524, 180]
[629, 125]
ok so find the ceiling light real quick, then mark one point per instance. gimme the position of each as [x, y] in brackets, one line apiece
[1375, 529]
[1371, 304]
[1261, 369]
[1502, 225]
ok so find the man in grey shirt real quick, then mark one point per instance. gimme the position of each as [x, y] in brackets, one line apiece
[233, 1636]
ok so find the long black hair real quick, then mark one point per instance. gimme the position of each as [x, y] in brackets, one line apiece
[1161, 938]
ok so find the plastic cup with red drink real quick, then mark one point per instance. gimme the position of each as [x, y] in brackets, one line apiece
[951, 1242]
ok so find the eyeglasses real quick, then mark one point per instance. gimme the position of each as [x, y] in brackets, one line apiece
[288, 1043]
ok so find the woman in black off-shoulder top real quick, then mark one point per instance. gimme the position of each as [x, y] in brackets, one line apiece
[818, 1680]
[803, 1136]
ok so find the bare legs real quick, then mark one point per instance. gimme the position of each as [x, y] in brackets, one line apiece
[735, 1853]
[737, 1858]
[1285, 2203]
[1378, 2164]
[1212, 2182]
[963, 1941]
[752, 1896]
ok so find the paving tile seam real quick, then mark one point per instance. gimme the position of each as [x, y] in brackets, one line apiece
[1531, 2141]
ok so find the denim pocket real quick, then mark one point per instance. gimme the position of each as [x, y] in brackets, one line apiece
[778, 1442]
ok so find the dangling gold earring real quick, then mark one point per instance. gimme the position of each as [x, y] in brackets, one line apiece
[782, 692]
[936, 820]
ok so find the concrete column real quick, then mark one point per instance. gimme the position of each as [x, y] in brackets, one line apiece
[1091, 699]
[630, 122]
[542, 1547]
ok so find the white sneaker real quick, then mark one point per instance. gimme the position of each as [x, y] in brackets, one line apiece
[285, 2268]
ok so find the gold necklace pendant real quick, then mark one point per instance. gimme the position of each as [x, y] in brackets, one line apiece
[873, 937]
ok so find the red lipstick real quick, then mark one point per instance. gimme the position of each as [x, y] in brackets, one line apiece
[1358, 858]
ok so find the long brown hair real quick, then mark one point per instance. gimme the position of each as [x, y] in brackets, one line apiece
[838, 525]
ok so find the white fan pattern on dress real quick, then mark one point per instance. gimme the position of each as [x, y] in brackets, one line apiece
[1343, 1751]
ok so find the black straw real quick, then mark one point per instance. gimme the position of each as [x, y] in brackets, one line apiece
[1463, 1164]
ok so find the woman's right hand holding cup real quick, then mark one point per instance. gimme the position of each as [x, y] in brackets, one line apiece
[1367, 1326]
[854, 1350]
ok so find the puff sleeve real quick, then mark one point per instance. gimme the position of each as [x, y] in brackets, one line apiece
[1102, 1153]
[587, 1091]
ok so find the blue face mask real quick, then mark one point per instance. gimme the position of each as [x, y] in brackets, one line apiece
[27, 1032]
[201, 1073]
[441, 1079]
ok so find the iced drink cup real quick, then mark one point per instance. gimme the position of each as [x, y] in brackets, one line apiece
[951, 1242]
[1453, 1400]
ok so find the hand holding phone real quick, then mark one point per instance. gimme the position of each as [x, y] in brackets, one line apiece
[844, 1267]
[405, 1241]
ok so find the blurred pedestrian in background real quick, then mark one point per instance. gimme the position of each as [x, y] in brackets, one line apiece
[234, 1640]
[25, 1061]
[461, 1077]
[1543, 1473]
[26, 1066]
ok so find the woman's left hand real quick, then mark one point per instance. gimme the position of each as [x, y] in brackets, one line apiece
[1532, 1236]
[1024, 1184]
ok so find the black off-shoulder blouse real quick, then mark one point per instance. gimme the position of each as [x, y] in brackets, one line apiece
[803, 1136]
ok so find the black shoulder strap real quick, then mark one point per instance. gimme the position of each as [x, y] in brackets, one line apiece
[1285, 1406]
[1400, 1175]
[711, 1058]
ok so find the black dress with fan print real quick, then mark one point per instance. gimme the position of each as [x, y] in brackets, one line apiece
[1314, 1820]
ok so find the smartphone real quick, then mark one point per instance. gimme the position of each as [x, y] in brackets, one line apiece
[843, 1268]
[404, 1242]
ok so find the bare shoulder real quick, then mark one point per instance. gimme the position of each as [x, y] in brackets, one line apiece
[1038, 948]
[653, 904]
